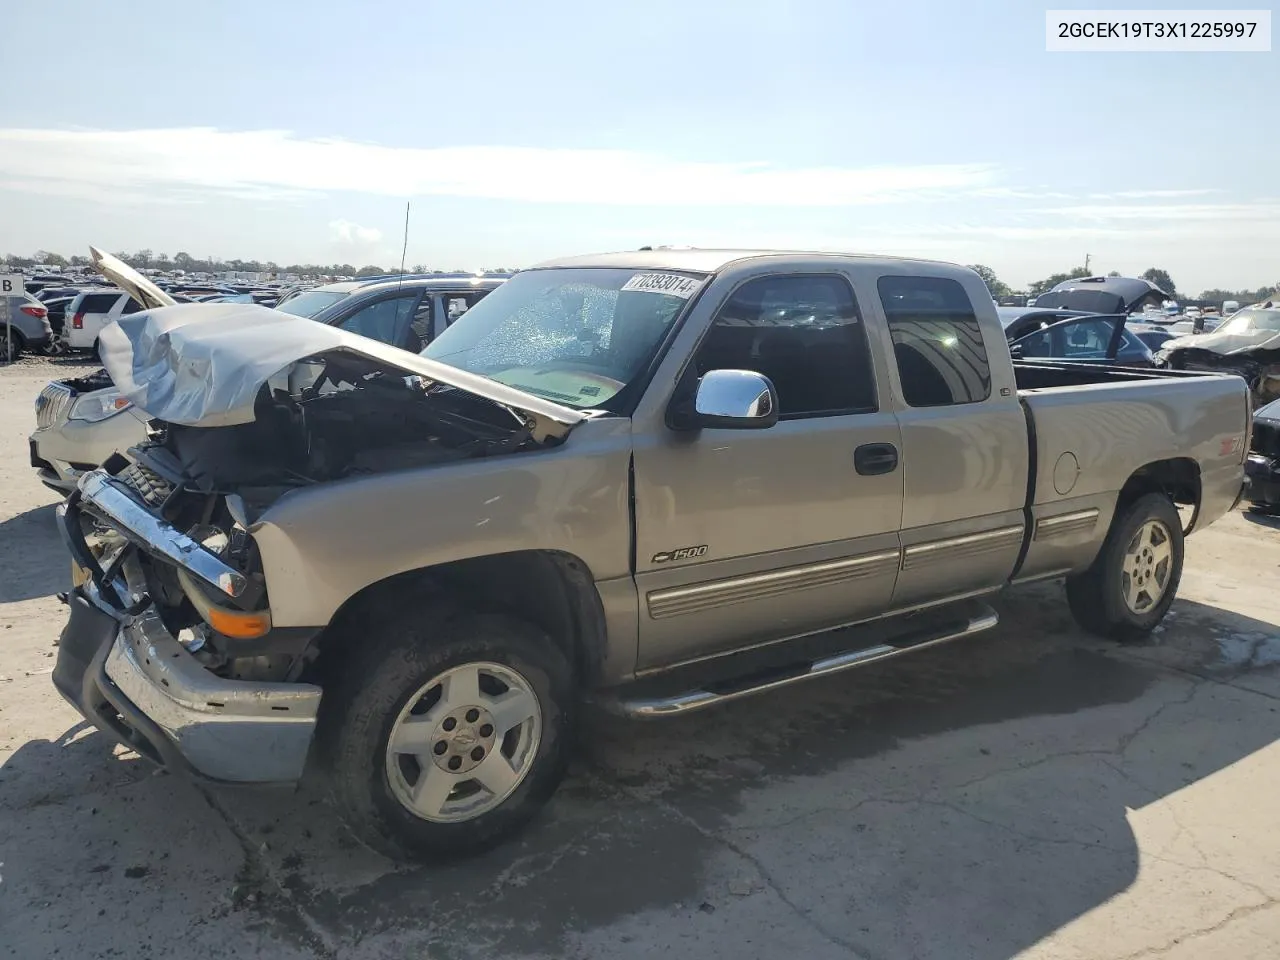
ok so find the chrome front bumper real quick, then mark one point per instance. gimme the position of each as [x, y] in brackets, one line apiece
[228, 730]
[128, 675]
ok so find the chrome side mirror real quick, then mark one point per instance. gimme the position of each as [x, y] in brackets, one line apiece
[735, 399]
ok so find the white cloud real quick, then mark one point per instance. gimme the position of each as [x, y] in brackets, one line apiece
[266, 163]
[352, 234]
[1151, 194]
[1168, 213]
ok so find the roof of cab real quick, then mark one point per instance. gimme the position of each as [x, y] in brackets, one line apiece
[706, 260]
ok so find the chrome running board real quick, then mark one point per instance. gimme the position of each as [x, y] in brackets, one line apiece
[983, 618]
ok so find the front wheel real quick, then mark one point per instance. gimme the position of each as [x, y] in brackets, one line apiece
[446, 737]
[1133, 581]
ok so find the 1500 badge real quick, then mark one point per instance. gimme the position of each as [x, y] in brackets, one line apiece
[684, 553]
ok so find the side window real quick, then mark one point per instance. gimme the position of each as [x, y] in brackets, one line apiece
[802, 332]
[384, 320]
[98, 302]
[1132, 347]
[937, 341]
[419, 333]
[1035, 344]
[131, 306]
[1086, 339]
[455, 305]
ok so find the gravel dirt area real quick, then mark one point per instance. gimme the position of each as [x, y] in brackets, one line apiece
[1031, 792]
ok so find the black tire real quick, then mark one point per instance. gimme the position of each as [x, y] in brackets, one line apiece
[1096, 596]
[376, 681]
[19, 344]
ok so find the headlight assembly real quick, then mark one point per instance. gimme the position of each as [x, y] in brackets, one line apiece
[99, 405]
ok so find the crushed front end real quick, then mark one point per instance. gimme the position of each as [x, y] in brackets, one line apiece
[169, 647]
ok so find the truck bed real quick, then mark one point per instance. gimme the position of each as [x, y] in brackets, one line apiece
[1092, 426]
[1046, 374]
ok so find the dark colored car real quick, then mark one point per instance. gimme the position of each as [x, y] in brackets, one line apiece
[1262, 468]
[1153, 335]
[407, 312]
[1102, 295]
[1073, 335]
[56, 293]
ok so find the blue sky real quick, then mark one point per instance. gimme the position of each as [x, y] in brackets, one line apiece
[296, 132]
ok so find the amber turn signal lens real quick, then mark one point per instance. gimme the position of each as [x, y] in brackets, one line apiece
[237, 624]
[241, 626]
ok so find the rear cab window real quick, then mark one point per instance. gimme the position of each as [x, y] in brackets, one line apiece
[937, 341]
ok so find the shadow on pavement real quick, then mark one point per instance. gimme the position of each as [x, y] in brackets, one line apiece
[969, 801]
[34, 559]
[1271, 520]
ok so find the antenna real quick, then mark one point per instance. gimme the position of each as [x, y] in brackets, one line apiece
[404, 249]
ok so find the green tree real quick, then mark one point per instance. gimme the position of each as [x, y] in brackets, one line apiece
[1114, 273]
[1161, 279]
[996, 286]
[1040, 286]
[370, 271]
[1218, 295]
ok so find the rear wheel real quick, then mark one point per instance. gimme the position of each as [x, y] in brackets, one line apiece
[1134, 579]
[447, 735]
[17, 343]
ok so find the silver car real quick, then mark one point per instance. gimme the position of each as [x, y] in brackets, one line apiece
[28, 327]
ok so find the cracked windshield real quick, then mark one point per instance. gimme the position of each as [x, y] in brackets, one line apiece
[578, 337]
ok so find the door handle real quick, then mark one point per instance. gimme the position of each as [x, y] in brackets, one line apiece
[875, 459]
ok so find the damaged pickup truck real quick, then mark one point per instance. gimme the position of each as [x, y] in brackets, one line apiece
[657, 480]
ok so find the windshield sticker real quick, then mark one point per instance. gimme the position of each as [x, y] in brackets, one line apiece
[672, 284]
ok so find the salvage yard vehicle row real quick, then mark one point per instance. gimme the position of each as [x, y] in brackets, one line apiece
[657, 479]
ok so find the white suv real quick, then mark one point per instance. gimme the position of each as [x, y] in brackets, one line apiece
[92, 310]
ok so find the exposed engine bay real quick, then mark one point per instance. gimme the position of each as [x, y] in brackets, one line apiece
[351, 419]
[1259, 366]
[98, 380]
[329, 418]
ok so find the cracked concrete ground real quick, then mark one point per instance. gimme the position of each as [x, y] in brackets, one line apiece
[1031, 793]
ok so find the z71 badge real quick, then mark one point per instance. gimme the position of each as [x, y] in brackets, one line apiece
[684, 553]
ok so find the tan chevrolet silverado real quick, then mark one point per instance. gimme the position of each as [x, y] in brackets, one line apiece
[654, 480]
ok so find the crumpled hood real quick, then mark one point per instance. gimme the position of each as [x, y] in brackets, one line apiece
[202, 364]
[1225, 343]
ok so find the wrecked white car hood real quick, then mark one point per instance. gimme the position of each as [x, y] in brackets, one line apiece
[202, 364]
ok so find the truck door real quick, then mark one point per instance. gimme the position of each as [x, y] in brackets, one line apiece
[964, 442]
[745, 536]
